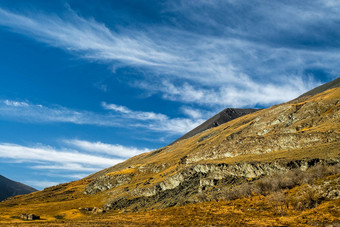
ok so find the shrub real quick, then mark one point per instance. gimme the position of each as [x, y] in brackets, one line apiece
[245, 190]
[202, 197]
[231, 194]
[307, 198]
[59, 217]
[288, 180]
[278, 199]
[267, 185]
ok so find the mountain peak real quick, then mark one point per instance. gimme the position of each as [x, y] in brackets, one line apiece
[222, 117]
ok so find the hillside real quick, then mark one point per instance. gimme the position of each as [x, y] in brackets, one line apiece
[277, 166]
[10, 188]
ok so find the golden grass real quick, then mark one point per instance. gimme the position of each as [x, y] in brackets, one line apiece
[123, 172]
[246, 211]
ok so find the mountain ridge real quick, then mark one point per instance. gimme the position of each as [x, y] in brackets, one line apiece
[332, 84]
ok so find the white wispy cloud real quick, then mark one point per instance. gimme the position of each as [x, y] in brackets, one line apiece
[66, 166]
[250, 93]
[193, 113]
[155, 121]
[192, 67]
[121, 109]
[62, 159]
[28, 112]
[118, 116]
[110, 149]
[76, 159]
[15, 103]
[138, 115]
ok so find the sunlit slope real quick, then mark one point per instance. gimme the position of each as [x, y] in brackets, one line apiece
[284, 127]
[294, 135]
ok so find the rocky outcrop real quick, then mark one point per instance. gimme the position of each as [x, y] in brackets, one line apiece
[97, 210]
[232, 147]
[185, 185]
[106, 182]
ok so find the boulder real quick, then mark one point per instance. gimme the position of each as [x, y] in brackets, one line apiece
[97, 210]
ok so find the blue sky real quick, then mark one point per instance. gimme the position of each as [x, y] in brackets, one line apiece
[84, 86]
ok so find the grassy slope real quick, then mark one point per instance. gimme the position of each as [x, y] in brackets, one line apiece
[65, 199]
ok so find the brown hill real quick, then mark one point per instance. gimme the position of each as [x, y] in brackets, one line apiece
[277, 166]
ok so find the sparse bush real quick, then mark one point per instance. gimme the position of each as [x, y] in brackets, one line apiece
[202, 197]
[291, 179]
[231, 194]
[278, 199]
[245, 190]
[267, 185]
[306, 199]
[214, 196]
[16, 217]
[278, 182]
[59, 217]
[320, 171]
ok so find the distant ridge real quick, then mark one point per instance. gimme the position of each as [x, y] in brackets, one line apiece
[10, 188]
[333, 84]
[222, 117]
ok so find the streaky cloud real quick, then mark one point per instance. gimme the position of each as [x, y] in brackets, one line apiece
[201, 65]
[110, 149]
[118, 116]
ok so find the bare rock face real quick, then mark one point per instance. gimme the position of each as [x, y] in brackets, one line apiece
[106, 182]
[184, 186]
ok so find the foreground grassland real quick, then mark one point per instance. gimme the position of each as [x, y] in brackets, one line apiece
[270, 201]
[253, 211]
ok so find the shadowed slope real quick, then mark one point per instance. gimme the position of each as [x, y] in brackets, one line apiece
[10, 188]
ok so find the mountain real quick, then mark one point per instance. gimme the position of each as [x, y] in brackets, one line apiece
[272, 167]
[10, 188]
[222, 117]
